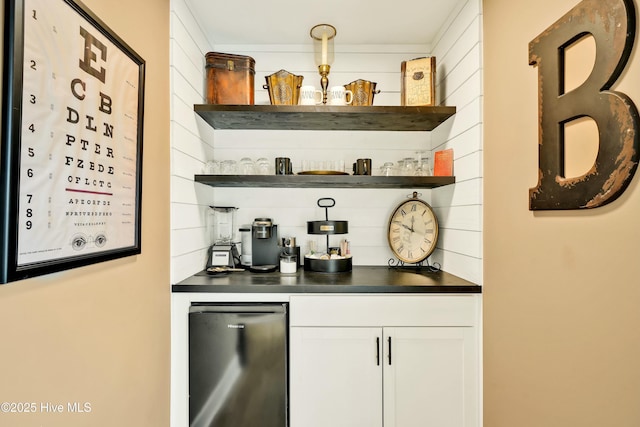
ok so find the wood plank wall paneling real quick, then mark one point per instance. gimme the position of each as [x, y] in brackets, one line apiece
[459, 206]
[459, 50]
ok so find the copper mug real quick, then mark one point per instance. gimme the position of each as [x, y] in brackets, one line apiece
[284, 88]
[363, 91]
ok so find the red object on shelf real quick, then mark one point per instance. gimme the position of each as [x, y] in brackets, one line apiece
[443, 163]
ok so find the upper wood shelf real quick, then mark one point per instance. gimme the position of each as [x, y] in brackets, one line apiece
[323, 117]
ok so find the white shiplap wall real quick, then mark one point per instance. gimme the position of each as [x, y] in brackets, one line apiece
[193, 143]
[459, 207]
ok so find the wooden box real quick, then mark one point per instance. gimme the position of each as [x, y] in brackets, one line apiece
[230, 79]
[418, 81]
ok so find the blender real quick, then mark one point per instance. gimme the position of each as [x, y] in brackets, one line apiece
[223, 253]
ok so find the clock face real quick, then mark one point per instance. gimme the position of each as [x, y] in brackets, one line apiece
[413, 231]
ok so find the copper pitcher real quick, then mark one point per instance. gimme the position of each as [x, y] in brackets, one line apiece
[284, 88]
[363, 91]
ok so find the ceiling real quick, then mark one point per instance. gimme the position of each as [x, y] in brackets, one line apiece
[375, 22]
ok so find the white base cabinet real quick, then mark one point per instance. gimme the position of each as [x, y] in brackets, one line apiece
[334, 378]
[392, 361]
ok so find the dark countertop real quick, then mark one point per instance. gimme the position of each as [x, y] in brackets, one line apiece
[362, 279]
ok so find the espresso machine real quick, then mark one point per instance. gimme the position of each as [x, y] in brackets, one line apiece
[265, 248]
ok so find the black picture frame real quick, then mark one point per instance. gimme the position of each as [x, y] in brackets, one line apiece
[71, 150]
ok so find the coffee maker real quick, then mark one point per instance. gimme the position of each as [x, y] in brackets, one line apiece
[265, 250]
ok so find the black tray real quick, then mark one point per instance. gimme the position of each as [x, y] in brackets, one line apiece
[328, 265]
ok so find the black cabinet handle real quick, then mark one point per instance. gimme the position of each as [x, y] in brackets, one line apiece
[378, 351]
[389, 341]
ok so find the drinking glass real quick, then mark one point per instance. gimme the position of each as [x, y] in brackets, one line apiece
[246, 166]
[228, 167]
[408, 167]
[422, 164]
[264, 166]
[387, 169]
[212, 167]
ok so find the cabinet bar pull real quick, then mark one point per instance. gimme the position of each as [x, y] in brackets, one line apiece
[389, 341]
[378, 351]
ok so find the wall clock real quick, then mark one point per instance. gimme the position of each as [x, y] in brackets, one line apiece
[71, 154]
[412, 231]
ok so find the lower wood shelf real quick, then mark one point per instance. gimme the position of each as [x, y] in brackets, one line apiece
[325, 181]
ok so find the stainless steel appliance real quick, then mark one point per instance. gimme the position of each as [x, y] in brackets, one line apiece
[238, 365]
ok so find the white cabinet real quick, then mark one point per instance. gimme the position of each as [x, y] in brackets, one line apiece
[392, 361]
[431, 379]
[334, 378]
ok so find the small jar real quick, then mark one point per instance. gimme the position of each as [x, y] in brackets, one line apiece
[288, 263]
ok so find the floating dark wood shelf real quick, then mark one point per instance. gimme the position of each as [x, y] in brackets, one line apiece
[325, 181]
[323, 117]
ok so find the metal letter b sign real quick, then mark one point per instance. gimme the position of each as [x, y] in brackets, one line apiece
[612, 25]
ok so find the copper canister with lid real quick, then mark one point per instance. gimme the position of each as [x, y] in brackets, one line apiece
[230, 79]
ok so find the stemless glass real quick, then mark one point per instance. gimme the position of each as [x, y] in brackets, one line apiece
[387, 169]
[212, 167]
[264, 166]
[408, 167]
[246, 166]
[228, 167]
[422, 164]
[426, 167]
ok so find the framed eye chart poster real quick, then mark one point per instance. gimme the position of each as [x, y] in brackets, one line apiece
[71, 153]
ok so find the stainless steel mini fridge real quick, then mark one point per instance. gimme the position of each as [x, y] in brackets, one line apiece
[238, 365]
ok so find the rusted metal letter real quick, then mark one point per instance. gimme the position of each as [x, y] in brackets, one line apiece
[612, 24]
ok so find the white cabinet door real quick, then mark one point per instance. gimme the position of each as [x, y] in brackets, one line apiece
[431, 379]
[335, 378]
